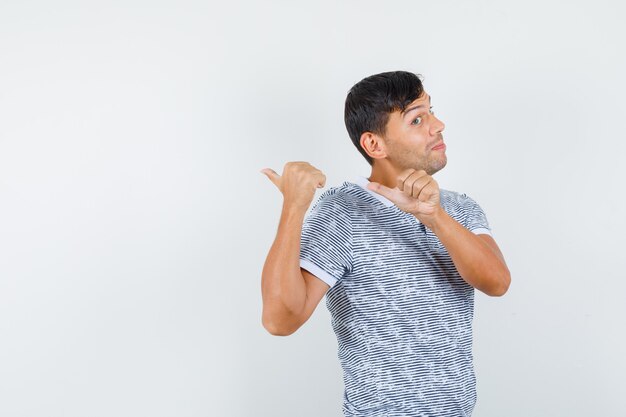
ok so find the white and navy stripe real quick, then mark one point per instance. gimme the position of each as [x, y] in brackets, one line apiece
[400, 310]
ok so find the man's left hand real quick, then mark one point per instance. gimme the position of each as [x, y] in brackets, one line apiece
[416, 193]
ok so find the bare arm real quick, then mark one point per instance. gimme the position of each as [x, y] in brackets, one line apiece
[477, 257]
[290, 294]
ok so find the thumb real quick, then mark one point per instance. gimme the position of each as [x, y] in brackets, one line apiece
[389, 193]
[272, 175]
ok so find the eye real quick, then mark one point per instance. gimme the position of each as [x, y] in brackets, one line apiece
[431, 110]
[416, 121]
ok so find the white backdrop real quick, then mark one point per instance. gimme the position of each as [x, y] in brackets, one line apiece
[134, 222]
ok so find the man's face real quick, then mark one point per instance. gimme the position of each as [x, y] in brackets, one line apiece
[413, 138]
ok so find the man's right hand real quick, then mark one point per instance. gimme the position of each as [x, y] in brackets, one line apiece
[298, 182]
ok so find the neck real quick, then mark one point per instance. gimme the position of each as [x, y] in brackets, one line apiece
[385, 174]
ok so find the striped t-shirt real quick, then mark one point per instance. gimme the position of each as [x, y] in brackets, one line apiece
[400, 310]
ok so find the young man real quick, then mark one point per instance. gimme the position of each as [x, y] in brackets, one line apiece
[397, 257]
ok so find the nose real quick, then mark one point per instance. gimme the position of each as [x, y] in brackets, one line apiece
[437, 126]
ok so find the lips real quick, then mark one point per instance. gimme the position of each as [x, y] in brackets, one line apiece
[440, 146]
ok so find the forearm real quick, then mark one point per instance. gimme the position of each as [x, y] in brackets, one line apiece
[282, 284]
[477, 263]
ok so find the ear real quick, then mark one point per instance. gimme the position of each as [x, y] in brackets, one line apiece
[373, 144]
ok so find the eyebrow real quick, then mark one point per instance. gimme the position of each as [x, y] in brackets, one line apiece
[406, 111]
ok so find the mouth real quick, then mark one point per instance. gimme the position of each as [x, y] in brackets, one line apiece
[439, 146]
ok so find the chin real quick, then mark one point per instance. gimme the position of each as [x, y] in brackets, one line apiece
[436, 167]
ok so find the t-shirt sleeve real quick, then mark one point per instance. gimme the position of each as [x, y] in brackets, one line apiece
[476, 218]
[326, 240]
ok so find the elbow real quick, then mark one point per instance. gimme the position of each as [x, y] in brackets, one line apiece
[502, 285]
[275, 329]
[498, 292]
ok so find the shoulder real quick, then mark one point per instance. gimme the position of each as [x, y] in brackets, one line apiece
[330, 215]
[466, 211]
[456, 203]
[455, 198]
[340, 198]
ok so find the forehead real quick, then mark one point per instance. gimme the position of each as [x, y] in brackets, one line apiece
[397, 117]
[421, 101]
[423, 98]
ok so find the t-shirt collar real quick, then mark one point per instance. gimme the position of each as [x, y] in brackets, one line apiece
[363, 181]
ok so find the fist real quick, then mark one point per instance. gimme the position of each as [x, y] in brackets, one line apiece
[416, 193]
[298, 182]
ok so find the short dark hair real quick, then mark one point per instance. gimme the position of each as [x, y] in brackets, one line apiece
[371, 100]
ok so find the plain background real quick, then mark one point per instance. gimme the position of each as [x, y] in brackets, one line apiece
[134, 222]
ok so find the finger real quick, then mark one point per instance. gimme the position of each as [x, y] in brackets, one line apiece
[409, 184]
[419, 185]
[403, 177]
[407, 179]
[428, 191]
[272, 175]
[424, 191]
